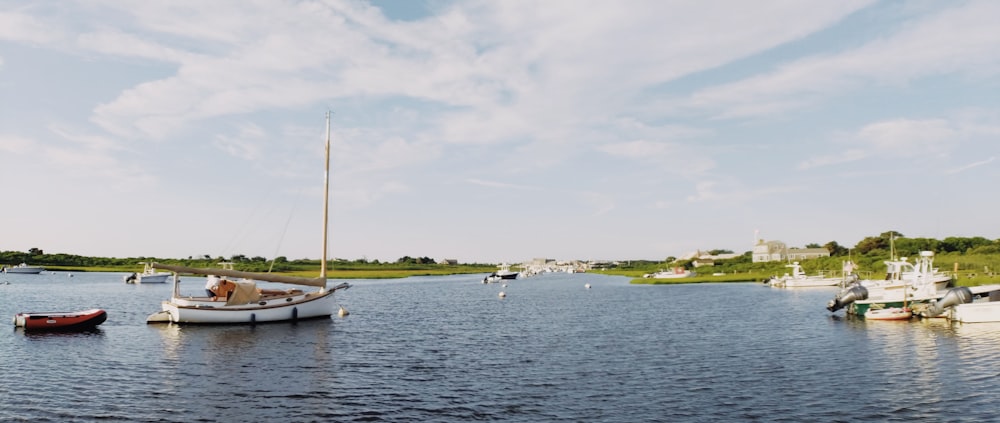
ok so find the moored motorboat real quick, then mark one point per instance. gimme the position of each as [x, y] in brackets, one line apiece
[920, 285]
[677, 272]
[981, 312]
[799, 279]
[148, 275]
[505, 272]
[60, 321]
[976, 304]
[24, 269]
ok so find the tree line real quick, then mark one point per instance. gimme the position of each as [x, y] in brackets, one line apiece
[37, 257]
[892, 241]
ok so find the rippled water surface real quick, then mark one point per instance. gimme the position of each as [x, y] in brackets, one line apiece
[450, 349]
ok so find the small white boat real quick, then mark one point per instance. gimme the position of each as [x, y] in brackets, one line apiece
[24, 269]
[504, 272]
[799, 279]
[148, 275]
[677, 272]
[892, 313]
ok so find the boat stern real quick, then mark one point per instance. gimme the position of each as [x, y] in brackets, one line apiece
[159, 317]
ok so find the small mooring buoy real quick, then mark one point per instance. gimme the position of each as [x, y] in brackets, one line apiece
[343, 312]
[502, 294]
[587, 286]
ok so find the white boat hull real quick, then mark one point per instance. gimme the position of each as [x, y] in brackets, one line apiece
[24, 270]
[279, 309]
[154, 278]
[894, 313]
[976, 312]
[805, 282]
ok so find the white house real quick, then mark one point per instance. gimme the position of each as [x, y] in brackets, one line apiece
[778, 251]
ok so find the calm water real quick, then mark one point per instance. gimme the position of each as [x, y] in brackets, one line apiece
[449, 349]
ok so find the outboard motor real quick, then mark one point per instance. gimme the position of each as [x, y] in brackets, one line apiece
[954, 296]
[847, 296]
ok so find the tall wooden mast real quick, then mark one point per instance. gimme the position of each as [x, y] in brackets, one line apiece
[326, 198]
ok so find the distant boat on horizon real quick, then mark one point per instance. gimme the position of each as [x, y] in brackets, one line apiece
[23, 268]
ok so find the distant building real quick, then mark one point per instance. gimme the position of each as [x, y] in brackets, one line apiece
[807, 253]
[450, 262]
[699, 258]
[699, 262]
[777, 251]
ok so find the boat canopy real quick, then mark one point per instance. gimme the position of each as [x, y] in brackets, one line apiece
[245, 293]
[269, 277]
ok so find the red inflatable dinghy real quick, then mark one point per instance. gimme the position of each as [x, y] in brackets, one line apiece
[61, 321]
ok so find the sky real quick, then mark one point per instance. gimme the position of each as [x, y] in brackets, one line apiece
[494, 131]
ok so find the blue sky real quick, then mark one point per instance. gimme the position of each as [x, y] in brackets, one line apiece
[494, 131]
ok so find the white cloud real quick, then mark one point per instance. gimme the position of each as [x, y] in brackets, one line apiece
[245, 145]
[496, 184]
[971, 166]
[960, 40]
[16, 144]
[672, 157]
[17, 26]
[917, 140]
[117, 43]
[910, 138]
[833, 159]
[600, 203]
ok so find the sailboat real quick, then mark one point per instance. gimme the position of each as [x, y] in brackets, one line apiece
[240, 301]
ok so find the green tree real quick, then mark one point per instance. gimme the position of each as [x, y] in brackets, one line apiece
[870, 244]
[835, 249]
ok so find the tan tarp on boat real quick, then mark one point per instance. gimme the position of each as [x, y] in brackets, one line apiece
[245, 293]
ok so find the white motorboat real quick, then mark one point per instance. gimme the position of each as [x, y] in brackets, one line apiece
[799, 279]
[920, 284]
[677, 272]
[504, 272]
[973, 304]
[241, 302]
[24, 269]
[148, 275]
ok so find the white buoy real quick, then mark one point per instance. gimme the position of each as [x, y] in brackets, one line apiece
[587, 286]
[343, 312]
[502, 294]
[503, 285]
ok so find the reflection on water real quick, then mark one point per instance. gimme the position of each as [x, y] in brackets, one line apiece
[448, 349]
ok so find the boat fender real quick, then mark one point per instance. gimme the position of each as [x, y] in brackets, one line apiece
[295, 313]
[954, 296]
[253, 317]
